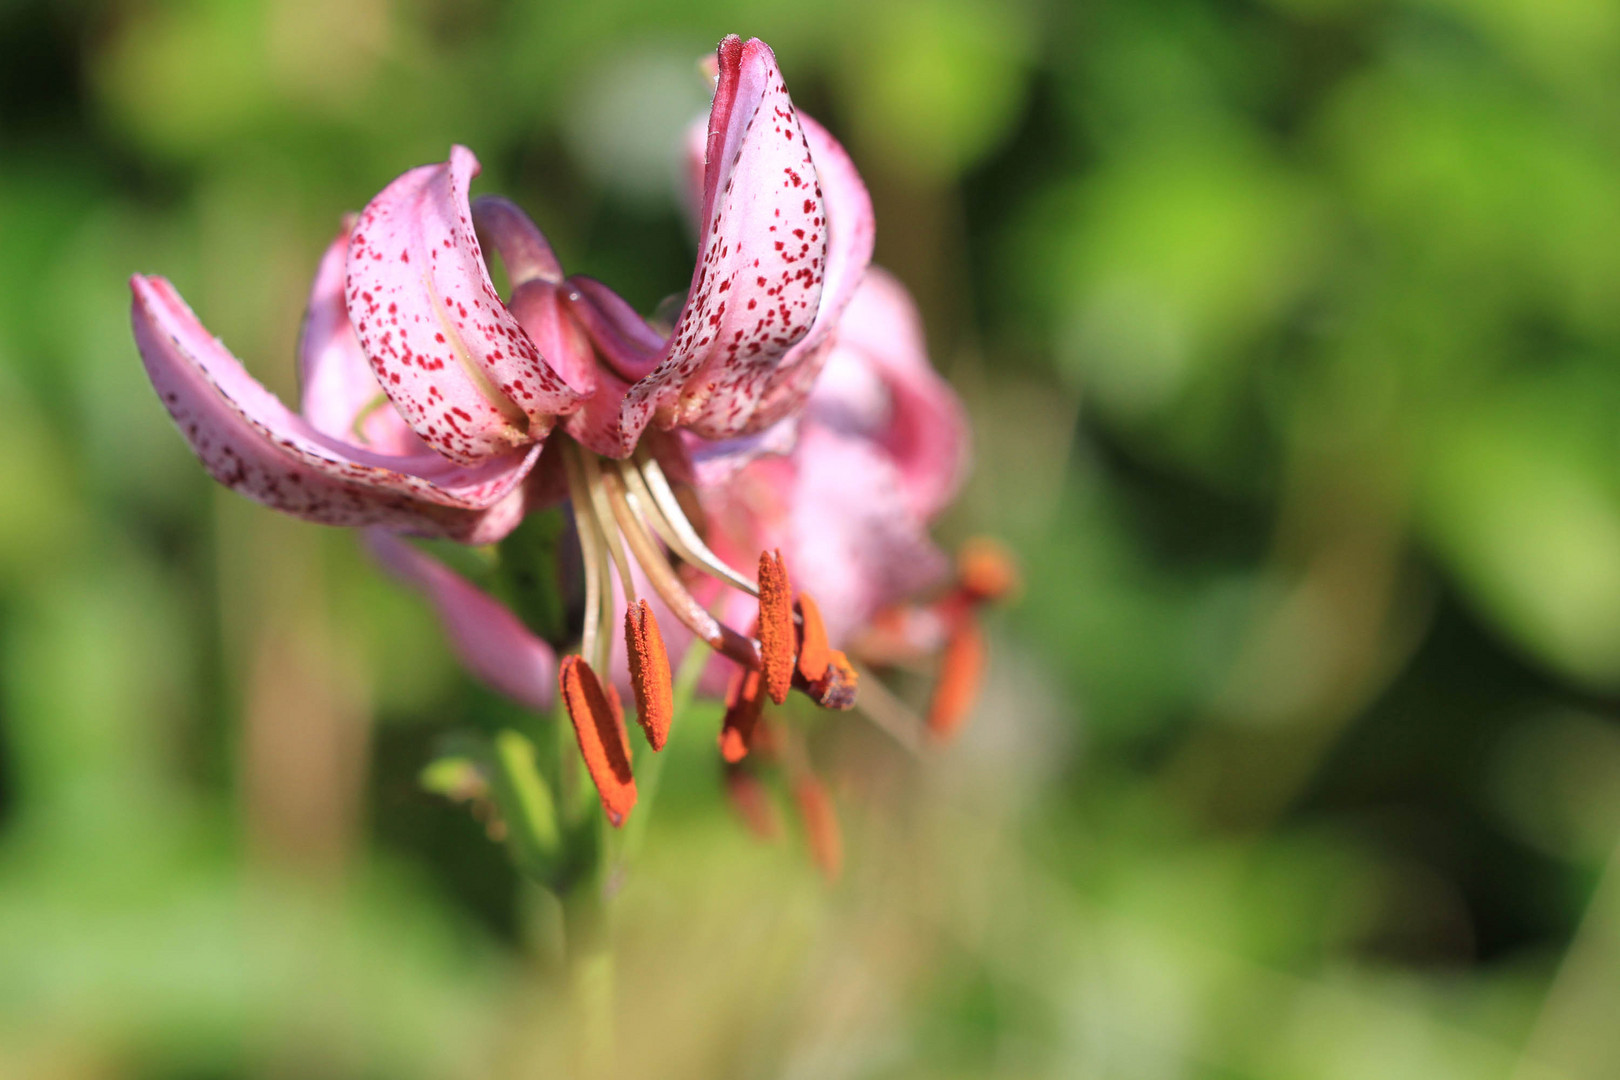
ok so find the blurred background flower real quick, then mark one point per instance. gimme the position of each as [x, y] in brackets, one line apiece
[1290, 331]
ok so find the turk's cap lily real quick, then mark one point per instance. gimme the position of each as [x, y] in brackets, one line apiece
[428, 399]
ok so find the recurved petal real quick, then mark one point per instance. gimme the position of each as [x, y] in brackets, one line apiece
[446, 351]
[763, 246]
[252, 443]
[491, 642]
[850, 231]
[878, 382]
[340, 396]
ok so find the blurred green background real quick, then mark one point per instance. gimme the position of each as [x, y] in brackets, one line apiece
[1291, 333]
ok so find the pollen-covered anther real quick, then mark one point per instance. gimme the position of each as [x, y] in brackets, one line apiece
[599, 726]
[775, 625]
[985, 570]
[814, 652]
[744, 701]
[649, 673]
[960, 674]
[837, 686]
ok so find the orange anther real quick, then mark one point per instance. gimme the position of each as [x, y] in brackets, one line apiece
[985, 570]
[775, 625]
[752, 802]
[649, 673]
[599, 726]
[743, 705]
[820, 826]
[960, 673]
[837, 686]
[814, 652]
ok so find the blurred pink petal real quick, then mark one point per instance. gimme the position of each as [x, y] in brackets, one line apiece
[879, 354]
[488, 639]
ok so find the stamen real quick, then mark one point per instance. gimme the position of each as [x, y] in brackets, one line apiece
[592, 471]
[985, 570]
[752, 802]
[775, 625]
[597, 595]
[649, 673]
[663, 512]
[599, 727]
[814, 652]
[820, 825]
[960, 673]
[743, 706]
[837, 686]
[668, 585]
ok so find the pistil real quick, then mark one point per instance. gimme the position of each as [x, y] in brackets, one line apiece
[655, 501]
[667, 584]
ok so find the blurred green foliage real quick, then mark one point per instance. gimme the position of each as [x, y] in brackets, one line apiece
[1291, 332]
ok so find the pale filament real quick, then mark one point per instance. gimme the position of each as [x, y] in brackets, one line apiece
[668, 585]
[616, 508]
[686, 543]
[594, 644]
[604, 519]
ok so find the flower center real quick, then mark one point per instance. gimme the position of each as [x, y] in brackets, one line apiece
[631, 525]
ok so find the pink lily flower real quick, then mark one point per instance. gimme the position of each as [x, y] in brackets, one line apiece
[881, 449]
[471, 388]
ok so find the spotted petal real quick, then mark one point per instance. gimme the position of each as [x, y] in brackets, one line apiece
[850, 232]
[758, 281]
[453, 360]
[251, 443]
[340, 396]
[489, 640]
